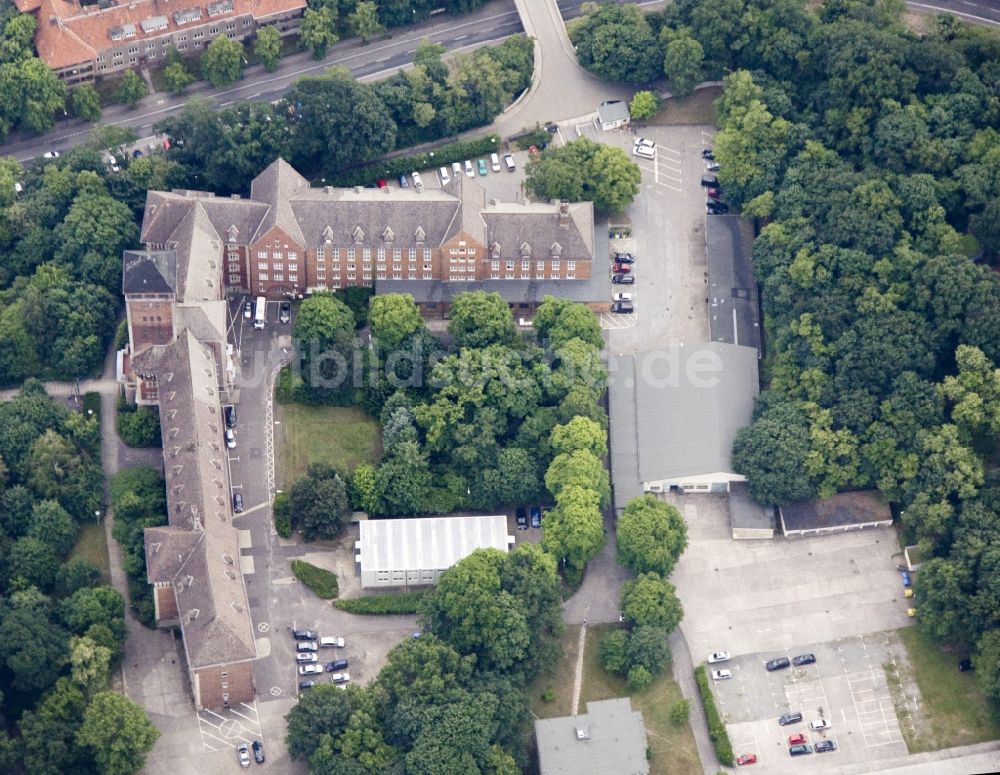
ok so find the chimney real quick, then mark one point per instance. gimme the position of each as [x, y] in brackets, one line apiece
[564, 215]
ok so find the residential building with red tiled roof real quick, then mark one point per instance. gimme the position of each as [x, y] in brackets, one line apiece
[81, 42]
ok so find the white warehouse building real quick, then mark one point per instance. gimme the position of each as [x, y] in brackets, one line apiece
[415, 552]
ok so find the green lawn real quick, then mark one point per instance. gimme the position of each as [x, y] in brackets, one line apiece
[92, 545]
[672, 747]
[339, 435]
[954, 709]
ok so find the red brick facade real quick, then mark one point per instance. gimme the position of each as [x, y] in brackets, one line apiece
[223, 686]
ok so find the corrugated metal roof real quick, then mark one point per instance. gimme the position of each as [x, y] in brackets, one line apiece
[429, 543]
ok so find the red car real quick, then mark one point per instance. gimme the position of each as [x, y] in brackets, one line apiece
[796, 739]
[715, 193]
[747, 758]
[621, 269]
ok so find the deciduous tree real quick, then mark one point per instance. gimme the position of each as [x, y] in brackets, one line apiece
[222, 61]
[87, 102]
[267, 48]
[651, 536]
[118, 733]
[650, 600]
[131, 89]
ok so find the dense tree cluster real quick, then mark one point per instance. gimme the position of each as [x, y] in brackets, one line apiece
[30, 93]
[61, 629]
[868, 155]
[452, 701]
[331, 122]
[585, 171]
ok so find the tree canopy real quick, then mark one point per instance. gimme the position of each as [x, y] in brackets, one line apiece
[584, 170]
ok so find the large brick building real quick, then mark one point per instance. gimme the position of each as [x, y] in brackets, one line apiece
[288, 239]
[82, 41]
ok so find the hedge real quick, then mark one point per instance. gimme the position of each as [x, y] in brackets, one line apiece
[321, 581]
[399, 603]
[716, 729]
[404, 165]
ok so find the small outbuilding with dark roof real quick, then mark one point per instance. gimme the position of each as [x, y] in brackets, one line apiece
[609, 738]
[844, 511]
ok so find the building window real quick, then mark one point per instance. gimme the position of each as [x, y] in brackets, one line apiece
[350, 254]
[320, 254]
[412, 267]
[570, 275]
[277, 267]
[261, 254]
[292, 255]
[276, 256]
[366, 254]
[494, 275]
[381, 275]
[321, 275]
[540, 265]
[413, 254]
[397, 254]
[292, 267]
[472, 251]
[381, 267]
[350, 275]
[234, 279]
[495, 266]
[234, 267]
[427, 254]
[278, 278]
[262, 278]
[380, 254]
[571, 266]
[509, 266]
[397, 276]
[510, 275]
[555, 265]
[293, 278]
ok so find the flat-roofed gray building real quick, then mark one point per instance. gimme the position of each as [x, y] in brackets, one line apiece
[415, 552]
[674, 417]
[609, 738]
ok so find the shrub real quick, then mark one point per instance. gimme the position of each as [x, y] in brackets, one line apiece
[639, 678]
[680, 712]
[397, 603]
[138, 426]
[549, 695]
[321, 581]
[613, 651]
[716, 729]
[404, 165]
[282, 515]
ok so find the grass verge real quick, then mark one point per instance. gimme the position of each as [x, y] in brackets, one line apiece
[92, 545]
[320, 580]
[954, 707]
[342, 436]
[671, 746]
[390, 604]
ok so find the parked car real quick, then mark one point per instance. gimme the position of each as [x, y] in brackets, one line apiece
[906, 578]
[237, 503]
[306, 645]
[804, 659]
[820, 724]
[747, 758]
[248, 310]
[469, 171]
[481, 163]
[136, 154]
[303, 685]
[521, 518]
[789, 718]
[621, 268]
[536, 516]
[965, 666]
[285, 312]
[624, 258]
[712, 166]
[715, 207]
[777, 664]
[508, 161]
[380, 183]
[710, 180]
[721, 675]
[623, 279]
[312, 669]
[623, 307]
[719, 656]
[708, 153]
[51, 155]
[622, 296]
[304, 634]
[642, 142]
[417, 182]
[445, 177]
[258, 751]
[331, 642]
[800, 750]
[644, 152]
[112, 163]
[494, 162]
[337, 664]
[306, 656]
[230, 413]
[456, 169]
[340, 678]
[797, 739]
[230, 438]
[403, 182]
[243, 754]
[715, 193]
[826, 745]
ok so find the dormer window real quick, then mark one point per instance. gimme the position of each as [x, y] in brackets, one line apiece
[525, 250]
[328, 235]
[231, 234]
[556, 250]
[495, 250]
[358, 235]
[388, 235]
[420, 235]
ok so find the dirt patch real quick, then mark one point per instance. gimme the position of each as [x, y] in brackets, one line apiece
[698, 109]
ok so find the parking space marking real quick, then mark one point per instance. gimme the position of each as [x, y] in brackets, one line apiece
[237, 724]
[613, 321]
[874, 708]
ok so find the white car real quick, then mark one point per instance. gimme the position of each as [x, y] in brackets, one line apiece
[823, 723]
[469, 169]
[417, 182]
[50, 155]
[306, 656]
[331, 642]
[644, 152]
[719, 656]
[622, 296]
[721, 675]
[310, 669]
[456, 169]
[230, 438]
[340, 678]
[445, 177]
[494, 162]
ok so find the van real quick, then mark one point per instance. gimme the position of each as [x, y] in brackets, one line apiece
[260, 313]
[495, 162]
[445, 177]
[509, 161]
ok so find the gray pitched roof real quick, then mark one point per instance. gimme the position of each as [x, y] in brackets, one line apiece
[275, 186]
[167, 549]
[733, 312]
[537, 227]
[613, 110]
[609, 738]
[149, 271]
[623, 443]
[689, 402]
[165, 211]
[215, 617]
